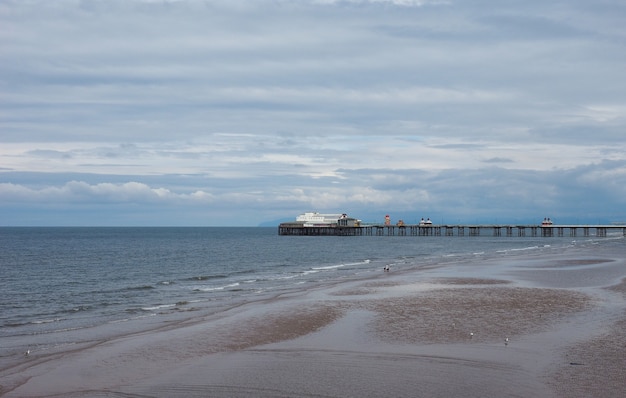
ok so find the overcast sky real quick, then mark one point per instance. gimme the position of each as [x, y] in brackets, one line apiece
[237, 112]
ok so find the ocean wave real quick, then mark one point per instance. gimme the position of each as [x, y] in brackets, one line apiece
[327, 267]
[44, 321]
[309, 272]
[158, 307]
[207, 277]
[244, 271]
[13, 324]
[142, 287]
[294, 275]
[79, 308]
[42, 318]
[526, 248]
[123, 320]
[214, 288]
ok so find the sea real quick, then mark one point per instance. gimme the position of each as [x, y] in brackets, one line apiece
[73, 285]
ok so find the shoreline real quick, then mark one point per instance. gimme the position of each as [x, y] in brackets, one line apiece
[397, 334]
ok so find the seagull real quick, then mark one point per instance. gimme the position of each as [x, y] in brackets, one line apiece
[471, 334]
[506, 341]
[27, 353]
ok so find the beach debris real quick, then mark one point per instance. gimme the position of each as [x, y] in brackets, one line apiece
[471, 335]
[27, 353]
[386, 268]
[576, 363]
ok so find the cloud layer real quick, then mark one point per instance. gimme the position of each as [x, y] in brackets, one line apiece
[239, 112]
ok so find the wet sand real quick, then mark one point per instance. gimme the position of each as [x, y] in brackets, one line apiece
[424, 333]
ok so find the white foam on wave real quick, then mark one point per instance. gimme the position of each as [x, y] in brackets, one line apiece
[158, 307]
[327, 267]
[43, 321]
[212, 289]
[292, 276]
[520, 249]
[312, 271]
[335, 266]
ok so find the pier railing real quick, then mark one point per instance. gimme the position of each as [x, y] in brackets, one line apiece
[451, 230]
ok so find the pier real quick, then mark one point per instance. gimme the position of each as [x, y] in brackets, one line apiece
[295, 228]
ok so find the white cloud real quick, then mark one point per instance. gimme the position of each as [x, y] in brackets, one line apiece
[605, 113]
[82, 192]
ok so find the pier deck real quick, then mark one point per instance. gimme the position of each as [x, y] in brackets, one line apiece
[294, 228]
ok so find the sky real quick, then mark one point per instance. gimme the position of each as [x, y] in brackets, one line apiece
[246, 113]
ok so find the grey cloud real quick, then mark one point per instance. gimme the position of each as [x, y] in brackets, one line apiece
[281, 106]
[48, 153]
[499, 160]
[469, 195]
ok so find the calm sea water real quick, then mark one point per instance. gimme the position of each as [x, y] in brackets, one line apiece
[55, 280]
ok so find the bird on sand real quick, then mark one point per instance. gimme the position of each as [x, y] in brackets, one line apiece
[27, 353]
[506, 341]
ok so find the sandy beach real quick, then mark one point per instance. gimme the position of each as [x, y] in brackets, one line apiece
[544, 326]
